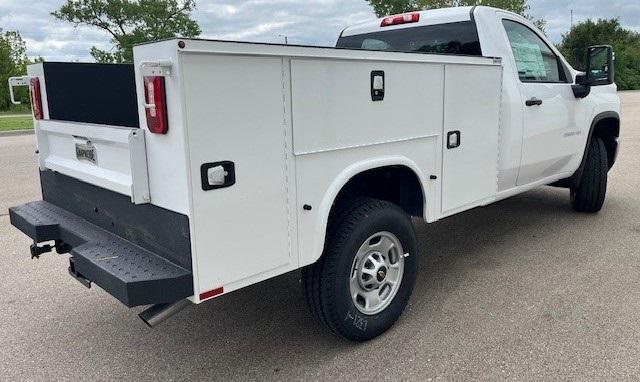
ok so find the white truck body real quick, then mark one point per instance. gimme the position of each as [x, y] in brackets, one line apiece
[299, 123]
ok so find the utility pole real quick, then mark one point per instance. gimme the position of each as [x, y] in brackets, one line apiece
[571, 20]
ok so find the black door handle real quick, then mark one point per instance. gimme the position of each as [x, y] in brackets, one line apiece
[534, 102]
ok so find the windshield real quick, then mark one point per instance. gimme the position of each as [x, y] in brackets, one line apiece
[454, 38]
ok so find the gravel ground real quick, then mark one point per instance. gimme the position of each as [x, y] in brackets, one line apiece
[522, 290]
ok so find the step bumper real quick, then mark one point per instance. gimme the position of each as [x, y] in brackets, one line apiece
[133, 275]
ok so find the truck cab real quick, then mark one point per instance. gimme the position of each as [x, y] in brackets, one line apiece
[546, 120]
[207, 166]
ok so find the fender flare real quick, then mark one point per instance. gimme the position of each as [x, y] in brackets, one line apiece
[576, 178]
[342, 179]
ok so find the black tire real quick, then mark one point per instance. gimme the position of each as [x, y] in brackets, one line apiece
[327, 283]
[590, 195]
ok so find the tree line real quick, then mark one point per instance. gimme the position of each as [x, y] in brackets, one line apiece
[129, 22]
[13, 63]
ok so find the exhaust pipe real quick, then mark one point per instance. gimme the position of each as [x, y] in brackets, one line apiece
[157, 314]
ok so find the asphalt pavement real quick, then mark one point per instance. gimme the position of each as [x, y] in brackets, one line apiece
[525, 289]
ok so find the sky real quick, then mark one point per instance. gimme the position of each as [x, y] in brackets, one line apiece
[312, 22]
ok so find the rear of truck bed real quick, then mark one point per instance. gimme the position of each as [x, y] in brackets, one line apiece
[95, 189]
[259, 141]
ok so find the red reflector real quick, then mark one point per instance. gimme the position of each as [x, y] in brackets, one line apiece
[211, 293]
[405, 18]
[36, 98]
[156, 105]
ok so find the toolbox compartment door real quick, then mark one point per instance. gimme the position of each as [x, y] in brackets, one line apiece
[235, 111]
[470, 136]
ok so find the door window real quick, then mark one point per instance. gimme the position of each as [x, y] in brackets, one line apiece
[535, 61]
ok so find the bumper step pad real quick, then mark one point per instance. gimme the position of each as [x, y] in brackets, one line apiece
[128, 272]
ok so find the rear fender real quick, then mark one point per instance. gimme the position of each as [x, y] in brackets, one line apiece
[338, 184]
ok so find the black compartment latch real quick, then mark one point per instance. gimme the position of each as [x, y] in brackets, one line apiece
[454, 139]
[377, 85]
[218, 175]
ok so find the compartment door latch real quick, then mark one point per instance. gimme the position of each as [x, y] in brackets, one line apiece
[377, 85]
[218, 175]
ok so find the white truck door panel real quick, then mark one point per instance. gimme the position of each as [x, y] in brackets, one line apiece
[552, 134]
[235, 112]
[472, 109]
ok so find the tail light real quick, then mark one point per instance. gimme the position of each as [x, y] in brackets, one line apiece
[36, 98]
[406, 18]
[156, 105]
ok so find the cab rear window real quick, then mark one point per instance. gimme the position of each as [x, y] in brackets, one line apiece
[459, 38]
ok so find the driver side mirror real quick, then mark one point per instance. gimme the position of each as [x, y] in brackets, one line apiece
[600, 66]
[600, 70]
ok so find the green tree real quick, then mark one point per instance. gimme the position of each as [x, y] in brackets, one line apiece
[389, 7]
[13, 62]
[625, 42]
[130, 22]
[393, 7]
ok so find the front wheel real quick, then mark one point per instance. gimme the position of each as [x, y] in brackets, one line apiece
[363, 282]
[590, 195]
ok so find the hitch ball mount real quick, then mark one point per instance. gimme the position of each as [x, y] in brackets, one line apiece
[60, 247]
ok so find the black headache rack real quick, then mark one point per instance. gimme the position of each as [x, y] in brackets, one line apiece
[134, 267]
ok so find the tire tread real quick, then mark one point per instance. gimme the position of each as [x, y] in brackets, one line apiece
[319, 278]
[590, 195]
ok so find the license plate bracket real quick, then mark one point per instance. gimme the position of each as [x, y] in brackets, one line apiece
[86, 151]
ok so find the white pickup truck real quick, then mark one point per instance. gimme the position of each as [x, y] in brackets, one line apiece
[208, 166]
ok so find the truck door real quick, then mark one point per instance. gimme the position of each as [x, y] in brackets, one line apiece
[551, 134]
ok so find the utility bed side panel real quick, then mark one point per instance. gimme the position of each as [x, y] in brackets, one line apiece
[340, 131]
[333, 106]
[237, 110]
[320, 177]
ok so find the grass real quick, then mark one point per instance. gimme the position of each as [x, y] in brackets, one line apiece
[16, 123]
[17, 109]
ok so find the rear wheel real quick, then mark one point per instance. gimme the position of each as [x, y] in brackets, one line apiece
[363, 281]
[590, 195]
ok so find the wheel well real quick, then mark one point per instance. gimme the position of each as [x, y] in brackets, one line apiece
[396, 184]
[608, 129]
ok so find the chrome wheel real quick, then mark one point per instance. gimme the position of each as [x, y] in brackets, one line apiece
[376, 273]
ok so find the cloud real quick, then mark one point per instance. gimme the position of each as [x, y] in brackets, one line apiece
[317, 22]
[311, 22]
[47, 37]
